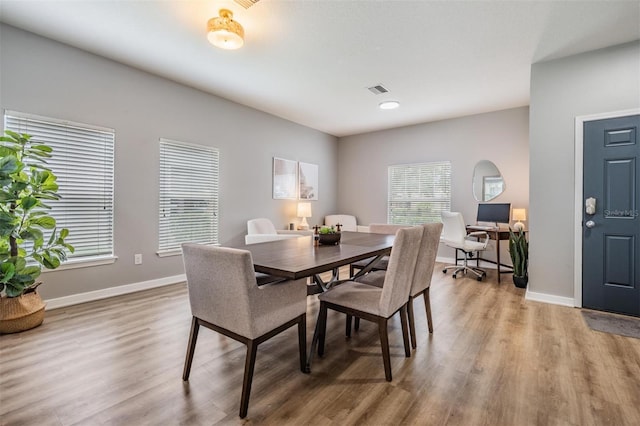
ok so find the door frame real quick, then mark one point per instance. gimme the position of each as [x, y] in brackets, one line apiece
[578, 201]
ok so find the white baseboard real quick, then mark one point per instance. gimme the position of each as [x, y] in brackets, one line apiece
[549, 298]
[74, 299]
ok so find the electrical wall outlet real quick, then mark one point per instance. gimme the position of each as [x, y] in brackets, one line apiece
[137, 259]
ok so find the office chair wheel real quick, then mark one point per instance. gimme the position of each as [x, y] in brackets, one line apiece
[444, 271]
[480, 278]
[454, 275]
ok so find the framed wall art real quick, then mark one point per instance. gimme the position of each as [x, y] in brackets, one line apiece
[285, 178]
[307, 181]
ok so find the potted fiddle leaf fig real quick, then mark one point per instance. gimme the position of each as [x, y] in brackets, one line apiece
[519, 251]
[29, 239]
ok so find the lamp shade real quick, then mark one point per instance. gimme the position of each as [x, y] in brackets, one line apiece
[519, 214]
[304, 210]
[224, 32]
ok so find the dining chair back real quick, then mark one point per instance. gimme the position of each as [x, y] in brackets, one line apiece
[426, 258]
[423, 274]
[401, 270]
[224, 297]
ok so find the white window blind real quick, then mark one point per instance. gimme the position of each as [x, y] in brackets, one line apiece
[188, 194]
[418, 193]
[82, 159]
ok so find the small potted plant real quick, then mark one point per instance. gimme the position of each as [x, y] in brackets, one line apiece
[519, 251]
[29, 238]
[328, 235]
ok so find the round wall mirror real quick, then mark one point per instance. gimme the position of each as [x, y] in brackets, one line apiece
[488, 183]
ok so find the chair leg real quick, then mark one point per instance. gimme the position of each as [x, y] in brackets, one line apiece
[412, 323]
[427, 305]
[348, 326]
[405, 334]
[302, 342]
[250, 362]
[322, 327]
[384, 342]
[191, 347]
[356, 325]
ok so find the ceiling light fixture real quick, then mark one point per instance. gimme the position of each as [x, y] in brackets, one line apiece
[389, 105]
[224, 32]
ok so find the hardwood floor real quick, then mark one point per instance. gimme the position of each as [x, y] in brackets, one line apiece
[493, 359]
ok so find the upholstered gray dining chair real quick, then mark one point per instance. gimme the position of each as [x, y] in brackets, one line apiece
[421, 282]
[225, 297]
[381, 264]
[378, 304]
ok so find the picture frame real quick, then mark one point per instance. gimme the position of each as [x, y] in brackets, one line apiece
[285, 179]
[307, 181]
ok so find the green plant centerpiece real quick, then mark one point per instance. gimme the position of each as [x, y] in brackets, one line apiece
[328, 235]
[29, 239]
[519, 251]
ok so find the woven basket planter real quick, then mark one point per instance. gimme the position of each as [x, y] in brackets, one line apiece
[21, 313]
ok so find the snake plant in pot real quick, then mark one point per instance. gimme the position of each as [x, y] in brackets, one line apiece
[29, 239]
[519, 251]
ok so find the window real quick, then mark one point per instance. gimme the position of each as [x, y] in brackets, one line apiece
[82, 159]
[188, 195]
[419, 193]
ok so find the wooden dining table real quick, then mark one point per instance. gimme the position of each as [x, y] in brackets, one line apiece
[296, 258]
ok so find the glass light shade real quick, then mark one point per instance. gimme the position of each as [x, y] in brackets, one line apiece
[389, 105]
[224, 32]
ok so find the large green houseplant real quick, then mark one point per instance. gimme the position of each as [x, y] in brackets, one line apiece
[519, 251]
[29, 238]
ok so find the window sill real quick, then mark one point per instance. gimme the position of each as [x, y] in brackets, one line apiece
[168, 253]
[83, 263]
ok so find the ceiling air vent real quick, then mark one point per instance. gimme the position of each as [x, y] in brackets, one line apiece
[246, 3]
[378, 89]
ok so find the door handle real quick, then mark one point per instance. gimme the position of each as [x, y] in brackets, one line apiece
[590, 224]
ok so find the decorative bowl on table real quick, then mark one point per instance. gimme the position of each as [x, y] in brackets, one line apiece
[328, 236]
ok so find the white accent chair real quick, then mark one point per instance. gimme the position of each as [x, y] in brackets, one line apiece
[224, 297]
[454, 235]
[261, 230]
[347, 221]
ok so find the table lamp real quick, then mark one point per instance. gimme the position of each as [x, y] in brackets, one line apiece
[304, 211]
[519, 215]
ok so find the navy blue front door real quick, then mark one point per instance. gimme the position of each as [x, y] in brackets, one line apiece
[611, 231]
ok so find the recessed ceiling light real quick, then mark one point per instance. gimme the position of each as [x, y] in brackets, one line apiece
[389, 105]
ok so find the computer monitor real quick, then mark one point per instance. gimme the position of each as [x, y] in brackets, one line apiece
[494, 212]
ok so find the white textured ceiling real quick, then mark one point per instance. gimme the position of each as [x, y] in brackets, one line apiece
[310, 61]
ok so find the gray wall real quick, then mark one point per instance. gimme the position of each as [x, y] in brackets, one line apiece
[594, 82]
[43, 77]
[501, 137]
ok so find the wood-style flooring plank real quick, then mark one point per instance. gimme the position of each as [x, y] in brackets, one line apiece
[493, 359]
